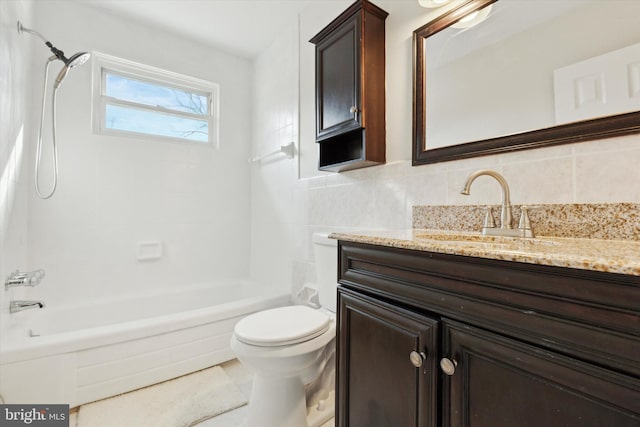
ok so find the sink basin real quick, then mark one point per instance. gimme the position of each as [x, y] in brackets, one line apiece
[481, 239]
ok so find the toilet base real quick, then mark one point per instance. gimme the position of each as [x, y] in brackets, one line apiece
[323, 411]
[277, 402]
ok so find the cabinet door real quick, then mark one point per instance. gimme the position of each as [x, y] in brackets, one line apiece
[499, 382]
[378, 383]
[338, 80]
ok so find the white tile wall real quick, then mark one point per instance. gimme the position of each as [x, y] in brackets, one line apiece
[114, 192]
[382, 196]
[277, 207]
[14, 87]
[586, 172]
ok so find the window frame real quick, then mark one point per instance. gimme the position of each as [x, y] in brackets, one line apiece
[104, 64]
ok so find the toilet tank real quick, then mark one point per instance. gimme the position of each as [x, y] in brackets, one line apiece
[325, 252]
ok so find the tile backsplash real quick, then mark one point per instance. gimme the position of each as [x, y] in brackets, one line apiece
[619, 221]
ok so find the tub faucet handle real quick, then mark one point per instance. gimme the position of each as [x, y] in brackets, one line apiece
[17, 278]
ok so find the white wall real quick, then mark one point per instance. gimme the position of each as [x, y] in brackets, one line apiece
[14, 92]
[275, 123]
[382, 196]
[116, 191]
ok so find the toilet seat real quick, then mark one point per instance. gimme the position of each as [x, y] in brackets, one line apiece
[282, 326]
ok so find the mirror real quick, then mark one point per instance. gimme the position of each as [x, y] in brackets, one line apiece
[532, 74]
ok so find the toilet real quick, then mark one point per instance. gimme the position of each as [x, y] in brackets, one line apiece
[291, 348]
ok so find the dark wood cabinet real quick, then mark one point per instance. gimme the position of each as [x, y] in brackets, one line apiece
[516, 345]
[338, 84]
[350, 89]
[500, 382]
[388, 358]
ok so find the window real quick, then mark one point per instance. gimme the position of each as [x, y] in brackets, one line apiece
[147, 102]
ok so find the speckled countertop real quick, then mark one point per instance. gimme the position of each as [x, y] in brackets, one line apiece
[614, 256]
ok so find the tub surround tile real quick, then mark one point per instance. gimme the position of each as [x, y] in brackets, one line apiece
[609, 221]
[613, 256]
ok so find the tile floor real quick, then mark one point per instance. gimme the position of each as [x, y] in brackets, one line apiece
[242, 377]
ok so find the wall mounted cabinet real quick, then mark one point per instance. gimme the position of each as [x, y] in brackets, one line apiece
[498, 343]
[350, 89]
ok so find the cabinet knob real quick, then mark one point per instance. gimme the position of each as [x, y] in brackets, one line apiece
[448, 366]
[353, 110]
[417, 358]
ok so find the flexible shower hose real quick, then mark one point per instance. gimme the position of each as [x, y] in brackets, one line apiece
[39, 146]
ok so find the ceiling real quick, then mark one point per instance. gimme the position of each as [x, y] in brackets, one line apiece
[244, 27]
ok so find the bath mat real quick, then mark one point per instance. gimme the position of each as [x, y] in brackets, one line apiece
[181, 402]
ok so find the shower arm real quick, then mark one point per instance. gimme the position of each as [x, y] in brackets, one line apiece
[57, 52]
[24, 29]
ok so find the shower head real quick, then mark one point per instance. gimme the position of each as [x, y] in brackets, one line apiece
[78, 59]
[75, 60]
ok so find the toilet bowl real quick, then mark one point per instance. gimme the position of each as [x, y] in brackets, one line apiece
[288, 348]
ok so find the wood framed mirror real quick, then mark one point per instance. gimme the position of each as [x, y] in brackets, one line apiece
[437, 112]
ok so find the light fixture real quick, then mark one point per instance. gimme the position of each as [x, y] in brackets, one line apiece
[474, 18]
[433, 3]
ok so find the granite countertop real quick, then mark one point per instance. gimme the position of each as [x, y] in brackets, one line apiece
[613, 256]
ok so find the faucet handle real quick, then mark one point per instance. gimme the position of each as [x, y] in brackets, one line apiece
[489, 221]
[35, 277]
[525, 223]
[17, 278]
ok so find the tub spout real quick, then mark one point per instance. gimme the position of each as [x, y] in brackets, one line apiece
[20, 305]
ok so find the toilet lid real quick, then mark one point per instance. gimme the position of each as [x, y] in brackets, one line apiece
[282, 326]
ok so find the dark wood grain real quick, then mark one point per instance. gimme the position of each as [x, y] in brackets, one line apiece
[536, 345]
[377, 382]
[350, 72]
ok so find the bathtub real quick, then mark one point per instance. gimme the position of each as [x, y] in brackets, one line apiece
[79, 354]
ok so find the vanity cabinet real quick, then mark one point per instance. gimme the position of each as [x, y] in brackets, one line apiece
[502, 382]
[350, 89]
[388, 362]
[507, 344]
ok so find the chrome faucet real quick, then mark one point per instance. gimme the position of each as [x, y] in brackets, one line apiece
[20, 305]
[506, 213]
[17, 278]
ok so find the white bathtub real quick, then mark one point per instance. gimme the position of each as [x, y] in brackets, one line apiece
[80, 354]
